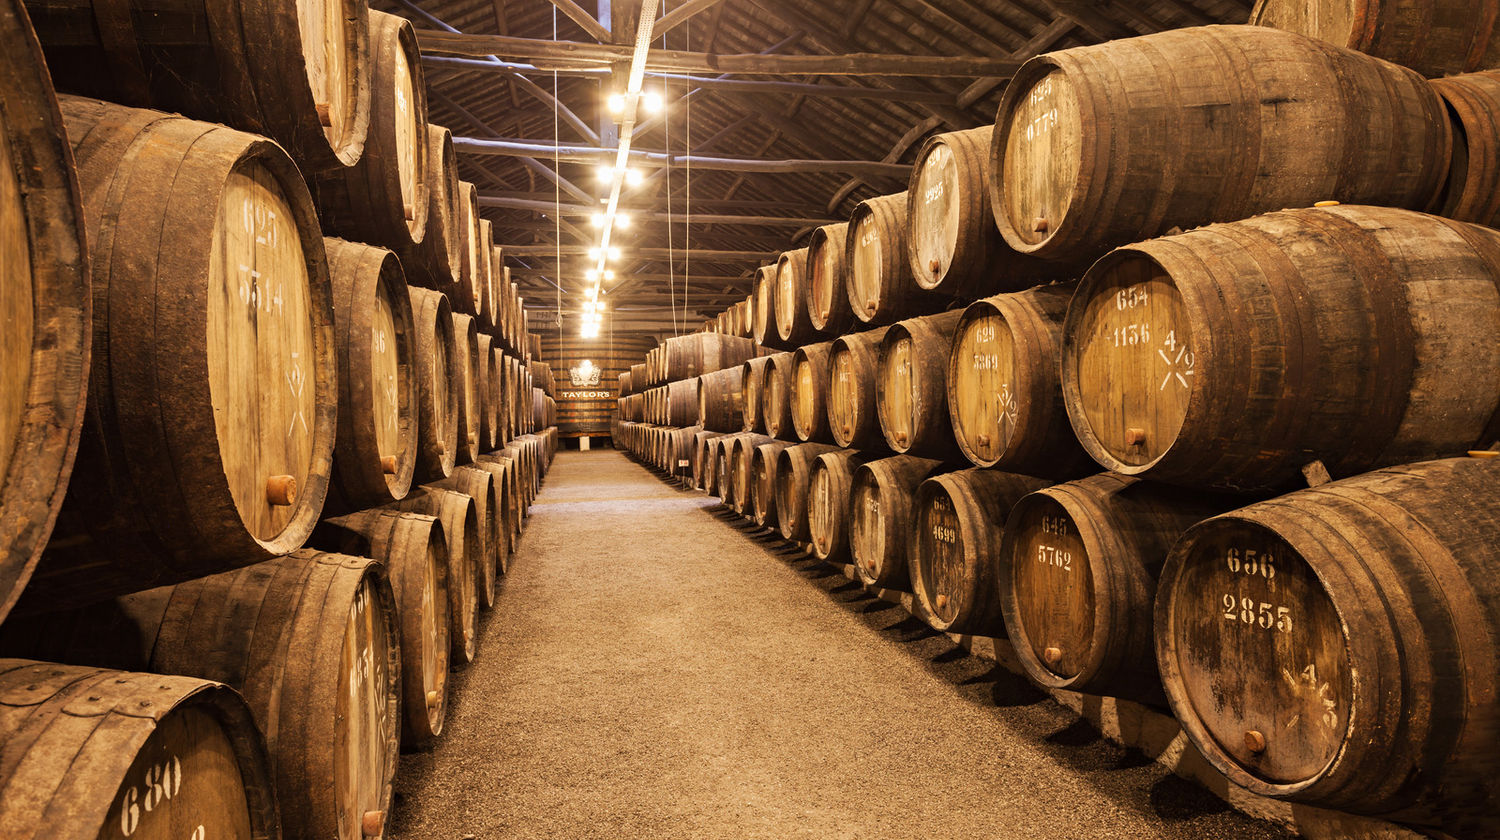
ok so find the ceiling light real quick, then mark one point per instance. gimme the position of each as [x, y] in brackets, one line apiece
[622, 221]
[633, 177]
[599, 220]
[605, 173]
[609, 274]
[593, 253]
[614, 253]
[653, 102]
[616, 103]
[592, 275]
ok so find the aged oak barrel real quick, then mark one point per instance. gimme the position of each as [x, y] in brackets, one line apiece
[877, 273]
[461, 530]
[501, 471]
[1005, 398]
[415, 554]
[793, 280]
[298, 73]
[792, 486]
[853, 362]
[192, 461]
[765, 475]
[44, 295]
[1339, 645]
[688, 356]
[958, 520]
[463, 372]
[1234, 355]
[489, 394]
[471, 274]
[880, 518]
[776, 397]
[1100, 146]
[765, 332]
[484, 304]
[437, 393]
[479, 485]
[829, 490]
[702, 459]
[740, 449]
[511, 498]
[106, 754]
[713, 449]
[911, 395]
[810, 372]
[1077, 578]
[951, 241]
[752, 382]
[826, 300]
[1474, 104]
[1433, 37]
[721, 399]
[440, 259]
[375, 452]
[382, 198]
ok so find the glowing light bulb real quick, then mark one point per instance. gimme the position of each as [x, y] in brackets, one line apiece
[592, 275]
[616, 103]
[633, 177]
[599, 220]
[609, 274]
[605, 173]
[614, 253]
[653, 102]
[622, 221]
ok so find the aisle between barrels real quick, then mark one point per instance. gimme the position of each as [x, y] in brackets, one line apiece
[651, 670]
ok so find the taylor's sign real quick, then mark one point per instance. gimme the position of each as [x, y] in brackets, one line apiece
[588, 395]
[584, 374]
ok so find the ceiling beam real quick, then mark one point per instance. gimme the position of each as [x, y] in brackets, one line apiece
[506, 202]
[581, 154]
[707, 204]
[647, 253]
[680, 15]
[575, 13]
[576, 53]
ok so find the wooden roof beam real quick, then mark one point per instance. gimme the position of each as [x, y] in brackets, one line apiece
[508, 202]
[705, 255]
[581, 154]
[575, 13]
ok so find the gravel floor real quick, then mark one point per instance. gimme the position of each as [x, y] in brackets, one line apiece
[651, 670]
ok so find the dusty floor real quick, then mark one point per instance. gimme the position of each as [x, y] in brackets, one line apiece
[650, 671]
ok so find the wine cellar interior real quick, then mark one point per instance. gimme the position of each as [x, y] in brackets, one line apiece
[480, 419]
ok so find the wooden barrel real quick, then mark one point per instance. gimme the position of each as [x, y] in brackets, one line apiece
[792, 483]
[911, 395]
[192, 461]
[502, 546]
[721, 399]
[99, 753]
[826, 300]
[461, 529]
[702, 458]
[511, 498]
[1077, 578]
[463, 372]
[489, 403]
[829, 490]
[471, 274]
[1357, 359]
[437, 396]
[741, 485]
[1065, 192]
[1433, 37]
[439, 260]
[1473, 103]
[752, 382]
[952, 244]
[1338, 645]
[776, 397]
[415, 554]
[479, 485]
[375, 452]
[44, 289]
[688, 356]
[793, 321]
[958, 520]
[766, 333]
[877, 273]
[809, 407]
[640, 378]
[853, 362]
[1005, 398]
[713, 448]
[382, 198]
[298, 74]
[764, 478]
[484, 305]
[680, 403]
[880, 518]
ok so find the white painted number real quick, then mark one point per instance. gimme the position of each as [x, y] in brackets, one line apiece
[1260, 614]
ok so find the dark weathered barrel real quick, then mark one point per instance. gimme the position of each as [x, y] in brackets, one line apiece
[721, 399]
[793, 321]
[739, 451]
[765, 465]
[687, 356]
[951, 241]
[877, 273]
[829, 490]
[437, 397]
[1339, 645]
[1078, 569]
[479, 485]
[880, 518]
[461, 531]
[702, 466]
[826, 300]
[752, 382]
[300, 75]
[1005, 397]
[415, 554]
[911, 396]
[463, 372]
[793, 478]
[382, 198]
[1433, 37]
[810, 377]
[375, 452]
[100, 753]
[44, 291]
[191, 461]
[502, 546]
[1371, 345]
[1474, 104]
[766, 333]
[776, 397]
[958, 520]
[1071, 179]
[440, 258]
[489, 390]
[471, 274]
[853, 364]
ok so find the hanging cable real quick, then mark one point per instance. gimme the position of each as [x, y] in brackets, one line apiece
[557, 188]
[687, 218]
[666, 125]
